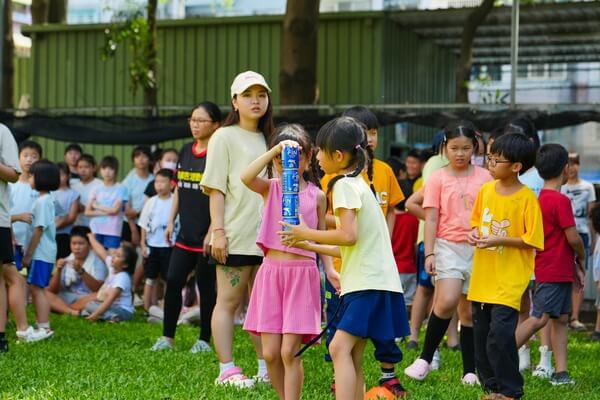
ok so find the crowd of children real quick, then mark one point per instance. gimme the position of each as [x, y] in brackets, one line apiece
[495, 238]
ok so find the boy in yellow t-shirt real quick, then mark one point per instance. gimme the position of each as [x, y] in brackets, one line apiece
[507, 229]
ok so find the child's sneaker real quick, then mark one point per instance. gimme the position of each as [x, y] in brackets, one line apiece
[524, 358]
[200, 347]
[3, 346]
[575, 324]
[412, 345]
[394, 386]
[234, 377]
[543, 372]
[262, 378]
[436, 361]
[595, 336]
[162, 344]
[470, 379]
[418, 370]
[31, 335]
[561, 378]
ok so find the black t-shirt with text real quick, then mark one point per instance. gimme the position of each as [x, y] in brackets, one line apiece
[194, 212]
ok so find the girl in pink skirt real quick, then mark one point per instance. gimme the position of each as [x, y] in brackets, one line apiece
[285, 305]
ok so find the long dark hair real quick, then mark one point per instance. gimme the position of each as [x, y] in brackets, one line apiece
[298, 134]
[265, 123]
[347, 135]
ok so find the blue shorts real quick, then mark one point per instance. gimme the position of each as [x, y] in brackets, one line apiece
[586, 246]
[379, 315]
[19, 257]
[40, 273]
[109, 241]
[423, 278]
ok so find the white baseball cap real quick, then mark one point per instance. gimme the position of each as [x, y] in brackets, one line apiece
[246, 79]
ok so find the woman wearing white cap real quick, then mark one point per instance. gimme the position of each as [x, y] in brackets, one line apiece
[235, 214]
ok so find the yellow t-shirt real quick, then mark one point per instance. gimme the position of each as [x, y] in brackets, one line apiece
[387, 191]
[230, 150]
[501, 274]
[369, 264]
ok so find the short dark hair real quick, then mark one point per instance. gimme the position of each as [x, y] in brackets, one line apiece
[30, 144]
[525, 126]
[414, 153]
[80, 231]
[397, 165]
[363, 115]
[551, 160]
[73, 146]
[168, 150]
[46, 176]
[515, 147]
[88, 158]
[130, 256]
[165, 172]
[110, 162]
[137, 150]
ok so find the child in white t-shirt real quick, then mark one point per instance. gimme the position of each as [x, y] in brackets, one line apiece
[114, 299]
[156, 247]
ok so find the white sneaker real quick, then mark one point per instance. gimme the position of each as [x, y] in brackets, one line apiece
[138, 301]
[162, 344]
[262, 378]
[200, 347]
[470, 379]
[543, 372]
[31, 335]
[436, 360]
[524, 358]
[156, 312]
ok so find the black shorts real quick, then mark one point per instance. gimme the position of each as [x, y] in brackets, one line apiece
[238, 260]
[552, 298]
[157, 263]
[6, 248]
[126, 232]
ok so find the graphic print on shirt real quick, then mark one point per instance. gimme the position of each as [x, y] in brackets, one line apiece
[489, 226]
[189, 179]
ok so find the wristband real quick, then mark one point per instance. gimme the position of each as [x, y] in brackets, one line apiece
[429, 255]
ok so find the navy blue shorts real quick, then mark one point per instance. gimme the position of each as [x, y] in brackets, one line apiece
[40, 273]
[423, 278]
[109, 241]
[552, 298]
[375, 314]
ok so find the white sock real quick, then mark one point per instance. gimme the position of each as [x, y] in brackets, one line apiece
[45, 325]
[225, 366]
[262, 367]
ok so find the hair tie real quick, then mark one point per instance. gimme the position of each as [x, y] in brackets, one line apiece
[357, 146]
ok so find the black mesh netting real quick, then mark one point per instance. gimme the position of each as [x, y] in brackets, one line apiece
[140, 130]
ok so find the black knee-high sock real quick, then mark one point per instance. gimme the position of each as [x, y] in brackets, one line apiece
[467, 347]
[436, 327]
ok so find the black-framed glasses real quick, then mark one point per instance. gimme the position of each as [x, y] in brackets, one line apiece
[493, 161]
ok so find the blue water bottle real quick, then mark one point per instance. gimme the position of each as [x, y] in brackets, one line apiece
[290, 184]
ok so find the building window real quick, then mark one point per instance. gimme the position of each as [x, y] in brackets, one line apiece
[547, 71]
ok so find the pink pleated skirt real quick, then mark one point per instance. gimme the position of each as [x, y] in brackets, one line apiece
[285, 298]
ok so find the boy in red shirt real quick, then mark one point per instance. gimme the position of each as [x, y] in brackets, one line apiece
[560, 265]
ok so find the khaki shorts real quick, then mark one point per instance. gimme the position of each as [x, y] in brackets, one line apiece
[453, 261]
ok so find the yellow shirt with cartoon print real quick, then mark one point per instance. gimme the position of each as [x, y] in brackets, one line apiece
[501, 274]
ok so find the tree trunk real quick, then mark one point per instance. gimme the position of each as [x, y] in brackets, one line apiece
[8, 69]
[465, 60]
[57, 11]
[150, 91]
[298, 63]
[39, 11]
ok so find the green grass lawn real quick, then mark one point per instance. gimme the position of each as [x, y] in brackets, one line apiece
[112, 361]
